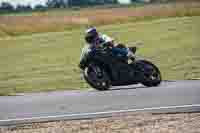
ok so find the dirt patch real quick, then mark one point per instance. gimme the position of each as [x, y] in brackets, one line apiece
[122, 123]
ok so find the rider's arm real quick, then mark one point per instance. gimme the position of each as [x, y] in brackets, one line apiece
[107, 40]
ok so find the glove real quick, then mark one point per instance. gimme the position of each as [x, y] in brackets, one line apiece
[131, 55]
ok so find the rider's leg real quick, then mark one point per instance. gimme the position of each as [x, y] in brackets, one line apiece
[123, 51]
[120, 51]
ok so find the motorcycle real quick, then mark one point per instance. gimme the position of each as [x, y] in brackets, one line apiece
[102, 69]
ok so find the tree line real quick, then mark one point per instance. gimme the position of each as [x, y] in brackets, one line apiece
[8, 7]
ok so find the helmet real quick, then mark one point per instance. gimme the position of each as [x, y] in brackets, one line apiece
[91, 35]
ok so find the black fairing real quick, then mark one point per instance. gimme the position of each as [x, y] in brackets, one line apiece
[117, 67]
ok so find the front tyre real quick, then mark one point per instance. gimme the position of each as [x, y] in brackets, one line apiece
[97, 77]
[151, 74]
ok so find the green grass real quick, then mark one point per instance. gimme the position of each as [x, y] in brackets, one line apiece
[47, 62]
[61, 20]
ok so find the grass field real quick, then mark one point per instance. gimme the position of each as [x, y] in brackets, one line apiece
[48, 61]
[65, 20]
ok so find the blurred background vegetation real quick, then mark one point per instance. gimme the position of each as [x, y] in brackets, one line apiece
[10, 6]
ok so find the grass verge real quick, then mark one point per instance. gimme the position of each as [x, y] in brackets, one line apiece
[47, 62]
[66, 20]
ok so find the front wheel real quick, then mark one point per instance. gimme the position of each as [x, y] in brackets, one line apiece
[97, 77]
[151, 75]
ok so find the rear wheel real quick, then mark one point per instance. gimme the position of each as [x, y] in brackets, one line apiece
[151, 74]
[97, 77]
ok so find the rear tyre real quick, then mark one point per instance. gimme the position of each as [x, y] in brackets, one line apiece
[151, 74]
[97, 77]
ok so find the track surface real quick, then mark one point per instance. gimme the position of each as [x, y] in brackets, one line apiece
[47, 106]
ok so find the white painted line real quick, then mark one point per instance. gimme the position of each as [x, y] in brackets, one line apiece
[98, 113]
[195, 79]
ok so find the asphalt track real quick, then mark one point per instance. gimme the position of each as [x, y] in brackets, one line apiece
[169, 97]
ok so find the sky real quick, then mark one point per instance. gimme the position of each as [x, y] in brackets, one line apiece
[125, 1]
[25, 2]
[35, 2]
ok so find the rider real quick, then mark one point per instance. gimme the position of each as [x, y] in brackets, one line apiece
[97, 40]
